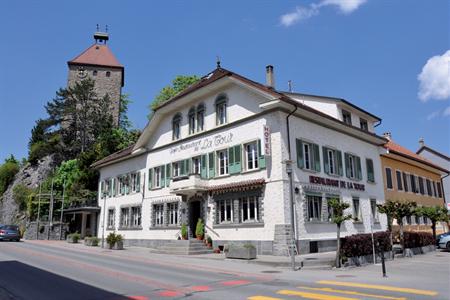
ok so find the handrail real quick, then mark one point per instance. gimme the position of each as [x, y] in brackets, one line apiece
[212, 230]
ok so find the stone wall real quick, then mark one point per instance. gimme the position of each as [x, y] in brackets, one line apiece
[45, 231]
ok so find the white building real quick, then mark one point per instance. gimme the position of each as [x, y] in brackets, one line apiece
[218, 151]
[439, 159]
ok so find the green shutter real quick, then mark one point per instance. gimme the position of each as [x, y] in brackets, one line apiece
[168, 175]
[316, 157]
[370, 173]
[182, 167]
[347, 165]
[150, 173]
[127, 187]
[113, 186]
[326, 164]
[338, 155]
[203, 167]
[138, 179]
[211, 168]
[237, 158]
[187, 166]
[262, 158]
[102, 183]
[358, 168]
[231, 160]
[299, 147]
[162, 170]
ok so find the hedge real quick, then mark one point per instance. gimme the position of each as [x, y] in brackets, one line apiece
[361, 244]
[418, 239]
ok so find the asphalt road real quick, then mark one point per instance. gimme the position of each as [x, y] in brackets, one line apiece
[57, 270]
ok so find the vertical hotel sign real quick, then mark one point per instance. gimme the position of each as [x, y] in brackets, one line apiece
[267, 146]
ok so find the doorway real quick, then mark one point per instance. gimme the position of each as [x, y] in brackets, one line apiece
[194, 215]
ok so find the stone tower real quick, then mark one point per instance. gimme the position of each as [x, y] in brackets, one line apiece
[100, 64]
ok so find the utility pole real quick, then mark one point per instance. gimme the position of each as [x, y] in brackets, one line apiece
[50, 213]
[39, 211]
[62, 211]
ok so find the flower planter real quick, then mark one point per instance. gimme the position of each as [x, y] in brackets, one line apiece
[118, 246]
[71, 240]
[92, 242]
[241, 252]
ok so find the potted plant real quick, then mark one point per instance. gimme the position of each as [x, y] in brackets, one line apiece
[184, 231]
[200, 230]
[73, 238]
[118, 245]
[209, 241]
[91, 241]
[114, 241]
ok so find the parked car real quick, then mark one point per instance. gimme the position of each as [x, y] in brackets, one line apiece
[444, 242]
[438, 237]
[10, 233]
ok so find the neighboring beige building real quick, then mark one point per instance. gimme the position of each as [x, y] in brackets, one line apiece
[413, 178]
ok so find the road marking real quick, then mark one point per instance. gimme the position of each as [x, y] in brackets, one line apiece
[312, 295]
[379, 287]
[262, 298]
[330, 290]
[235, 282]
[169, 294]
[200, 288]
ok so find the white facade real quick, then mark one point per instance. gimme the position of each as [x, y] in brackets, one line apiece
[250, 202]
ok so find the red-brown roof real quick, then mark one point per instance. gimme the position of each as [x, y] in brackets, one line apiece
[237, 186]
[396, 148]
[98, 55]
[115, 156]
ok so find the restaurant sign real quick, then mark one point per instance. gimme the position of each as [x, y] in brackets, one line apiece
[336, 183]
[267, 146]
[204, 144]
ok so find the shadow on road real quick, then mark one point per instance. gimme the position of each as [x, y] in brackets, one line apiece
[24, 282]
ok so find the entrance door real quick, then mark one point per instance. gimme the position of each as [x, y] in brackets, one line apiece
[194, 215]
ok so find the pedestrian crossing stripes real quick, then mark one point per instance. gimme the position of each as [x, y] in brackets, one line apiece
[360, 292]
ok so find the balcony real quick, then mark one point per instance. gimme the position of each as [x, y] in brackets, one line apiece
[188, 185]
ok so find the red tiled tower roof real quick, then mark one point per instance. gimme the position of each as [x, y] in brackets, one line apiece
[97, 55]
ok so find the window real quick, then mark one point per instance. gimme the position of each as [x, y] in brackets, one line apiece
[108, 74]
[347, 117]
[221, 110]
[222, 162]
[370, 171]
[417, 219]
[196, 165]
[374, 210]
[425, 220]
[314, 207]
[408, 220]
[332, 161]
[136, 216]
[200, 117]
[421, 186]
[251, 156]
[156, 177]
[430, 192]
[363, 124]
[172, 211]
[94, 73]
[249, 209]
[405, 181]
[176, 166]
[124, 184]
[225, 208]
[135, 182]
[439, 189]
[308, 156]
[176, 127]
[124, 217]
[434, 189]
[414, 188]
[158, 215]
[399, 180]
[353, 166]
[111, 218]
[356, 209]
[191, 117]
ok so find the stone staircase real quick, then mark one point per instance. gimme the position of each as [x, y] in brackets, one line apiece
[183, 247]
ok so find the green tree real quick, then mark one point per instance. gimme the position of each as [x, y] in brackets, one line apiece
[338, 217]
[435, 214]
[388, 208]
[180, 83]
[21, 195]
[8, 170]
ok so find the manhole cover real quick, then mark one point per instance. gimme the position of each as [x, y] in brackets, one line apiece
[310, 258]
[276, 283]
[345, 276]
[270, 271]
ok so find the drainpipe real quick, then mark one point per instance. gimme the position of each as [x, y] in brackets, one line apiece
[291, 195]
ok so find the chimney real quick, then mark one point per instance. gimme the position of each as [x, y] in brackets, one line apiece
[421, 142]
[270, 80]
[387, 135]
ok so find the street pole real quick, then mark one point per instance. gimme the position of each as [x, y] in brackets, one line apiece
[50, 213]
[373, 241]
[103, 226]
[39, 211]
[291, 200]
[62, 211]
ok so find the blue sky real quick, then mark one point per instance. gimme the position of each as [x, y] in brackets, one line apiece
[369, 52]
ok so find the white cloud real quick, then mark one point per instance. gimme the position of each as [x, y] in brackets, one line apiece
[433, 115]
[439, 113]
[302, 13]
[446, 112]
[434, 80]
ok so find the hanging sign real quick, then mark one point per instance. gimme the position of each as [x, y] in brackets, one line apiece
[267, 146]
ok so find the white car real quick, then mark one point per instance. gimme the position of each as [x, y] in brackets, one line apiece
[444, 242]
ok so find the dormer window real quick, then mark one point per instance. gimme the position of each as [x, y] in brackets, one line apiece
[363, 124]
[200, 117]
[191, 117]
[176, 127]
[221, 110]
[347, 117]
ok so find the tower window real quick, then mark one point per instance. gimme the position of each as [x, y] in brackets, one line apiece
[108, 74]
[94, 73]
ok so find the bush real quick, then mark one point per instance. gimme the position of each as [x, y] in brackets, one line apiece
[361, 244]
[21, 194]
[113, 238]
[75, 237]
[418, 239]
[7, 172]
